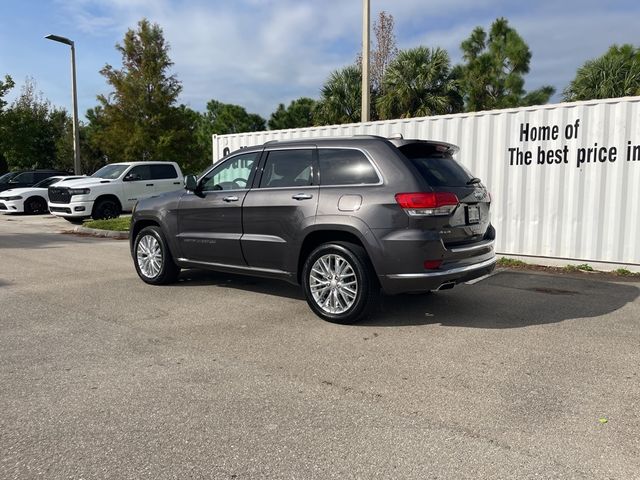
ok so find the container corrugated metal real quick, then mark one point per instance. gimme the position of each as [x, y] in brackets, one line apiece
[581, 202]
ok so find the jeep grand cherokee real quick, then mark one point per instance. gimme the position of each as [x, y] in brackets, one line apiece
[344, 217]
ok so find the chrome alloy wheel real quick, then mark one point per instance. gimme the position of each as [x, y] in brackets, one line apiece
[149, 255]
[333, 283]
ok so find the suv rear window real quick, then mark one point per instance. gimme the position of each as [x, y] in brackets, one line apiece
[438, 168]
[345, 167]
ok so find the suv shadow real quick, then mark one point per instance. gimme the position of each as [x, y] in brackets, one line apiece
[508, 299]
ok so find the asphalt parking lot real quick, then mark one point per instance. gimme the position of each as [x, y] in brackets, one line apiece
[524, 375]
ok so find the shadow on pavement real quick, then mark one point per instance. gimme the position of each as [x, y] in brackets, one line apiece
[508, 299]
[42, 240]
[278, 288]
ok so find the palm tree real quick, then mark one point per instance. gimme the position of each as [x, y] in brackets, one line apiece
[419, 82]
[614, 74]
[340, 98]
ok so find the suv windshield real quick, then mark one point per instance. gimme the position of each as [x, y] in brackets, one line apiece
[46, 182]
[7, 176]
[438, 168]
[110, 172]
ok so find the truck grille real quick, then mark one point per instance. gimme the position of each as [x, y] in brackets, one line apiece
[59, 195]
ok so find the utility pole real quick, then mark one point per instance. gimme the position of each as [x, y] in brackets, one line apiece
[365, 61]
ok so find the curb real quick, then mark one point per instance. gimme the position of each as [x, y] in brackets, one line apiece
[94, 232]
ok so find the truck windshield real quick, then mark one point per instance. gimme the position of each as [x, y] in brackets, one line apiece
[110, 172]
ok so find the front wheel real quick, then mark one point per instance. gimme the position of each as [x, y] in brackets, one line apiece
[152, 257]
[339, 282]
[106, 208]
[36, 206]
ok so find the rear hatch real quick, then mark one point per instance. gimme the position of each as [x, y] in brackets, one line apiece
[462, 220]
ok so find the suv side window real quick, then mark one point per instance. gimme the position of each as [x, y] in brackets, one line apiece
[161, 171]
[26, 177]
[140, 172]
[233, 174]
[345, 167]
[39, 176]
[288, 168]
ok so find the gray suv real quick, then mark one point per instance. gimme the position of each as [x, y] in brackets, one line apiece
[343, 217]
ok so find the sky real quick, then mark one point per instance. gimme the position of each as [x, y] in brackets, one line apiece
[259, 53]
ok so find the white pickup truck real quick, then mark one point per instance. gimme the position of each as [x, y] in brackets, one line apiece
[113, 189]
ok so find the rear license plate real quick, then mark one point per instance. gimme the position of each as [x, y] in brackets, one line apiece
[473, 214]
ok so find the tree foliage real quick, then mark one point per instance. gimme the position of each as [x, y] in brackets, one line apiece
[298, 114]
[5, 87]
[139, 119]
[340, 98]
[493, 73]
[224, 118]
[614, 74]
[384, 51]
[419, 82]
[30, 129]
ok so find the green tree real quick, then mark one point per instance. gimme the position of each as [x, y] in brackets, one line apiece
[5, 87]
[340, 100]
[298, 114]
[30, 129]
[224, 118]
[139, 120]
[419, 82]
[614, 74]
[493, 73]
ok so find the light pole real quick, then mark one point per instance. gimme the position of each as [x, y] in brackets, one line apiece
[74, 96]
[365, 60]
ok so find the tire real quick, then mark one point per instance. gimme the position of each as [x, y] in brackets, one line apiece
[152, 258]
[106, 208]
[36, 206]
[75, 220]
[353, 291]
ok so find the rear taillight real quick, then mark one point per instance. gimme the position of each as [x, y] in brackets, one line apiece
[427, 203]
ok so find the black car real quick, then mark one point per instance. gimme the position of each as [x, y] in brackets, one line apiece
[27, 178]
[344, 217]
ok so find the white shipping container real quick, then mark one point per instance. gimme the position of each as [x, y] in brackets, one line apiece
[564, 178]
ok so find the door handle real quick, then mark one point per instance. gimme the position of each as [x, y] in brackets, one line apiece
[302, 196]
[149, 184]
[231, 198]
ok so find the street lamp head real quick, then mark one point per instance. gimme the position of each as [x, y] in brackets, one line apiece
[57, 38]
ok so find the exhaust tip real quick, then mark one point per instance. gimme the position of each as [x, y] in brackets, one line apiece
[446, 286]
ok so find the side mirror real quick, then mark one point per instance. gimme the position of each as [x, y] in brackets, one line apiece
[191, 183]
[131, 177]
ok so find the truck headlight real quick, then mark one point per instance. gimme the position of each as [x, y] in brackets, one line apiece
[79, 191]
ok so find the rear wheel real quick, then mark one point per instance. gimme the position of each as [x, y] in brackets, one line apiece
[339, 282]
[36, 206]
[106, 208]
[152, 257]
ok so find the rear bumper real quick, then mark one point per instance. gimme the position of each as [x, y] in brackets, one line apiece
[422, 282]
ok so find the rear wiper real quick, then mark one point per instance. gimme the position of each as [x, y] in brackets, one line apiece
[473, 181]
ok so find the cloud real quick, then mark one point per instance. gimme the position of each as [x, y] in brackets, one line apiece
[259, 53]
